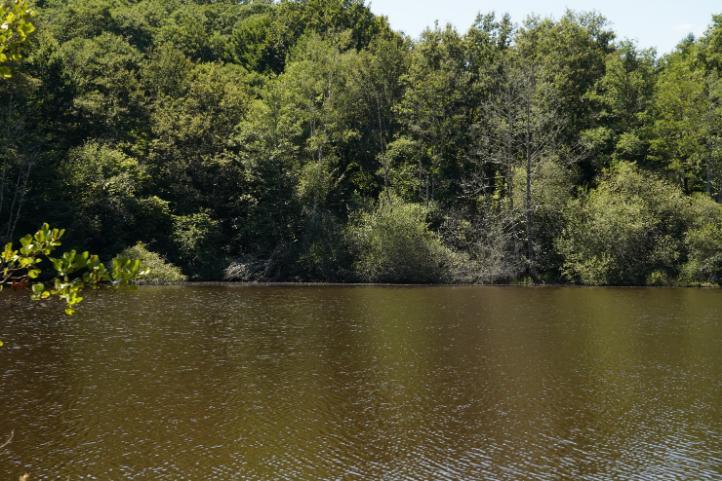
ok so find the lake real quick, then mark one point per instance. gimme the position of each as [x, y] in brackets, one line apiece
[359, 382]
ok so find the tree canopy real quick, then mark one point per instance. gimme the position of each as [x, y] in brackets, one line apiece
[306, 140]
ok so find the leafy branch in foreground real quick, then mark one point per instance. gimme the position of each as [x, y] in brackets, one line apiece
[74, 271]
[15, 26]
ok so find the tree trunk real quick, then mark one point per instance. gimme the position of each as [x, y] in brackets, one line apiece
[708, 173]
[528, 206]
[528, 212]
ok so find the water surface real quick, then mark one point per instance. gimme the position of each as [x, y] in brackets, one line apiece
[230, 382]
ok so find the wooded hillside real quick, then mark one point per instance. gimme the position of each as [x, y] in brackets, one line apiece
[306, 140]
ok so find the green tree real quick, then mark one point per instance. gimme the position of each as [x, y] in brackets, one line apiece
[434, 111]
[299, 140]
[621, 100]
[102, 185]
[104, 74]
[568, 57]
[680, 108]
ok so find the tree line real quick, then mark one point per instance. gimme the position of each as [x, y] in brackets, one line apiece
[308, 141]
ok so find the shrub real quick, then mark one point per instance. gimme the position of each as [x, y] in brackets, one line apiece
[658, 278]
[159, 271]
[239, 271]
[197, 239]
[486, 248]
[703, 242]
[393, 243]
[496, 255]
[629, 230]
[704, 264]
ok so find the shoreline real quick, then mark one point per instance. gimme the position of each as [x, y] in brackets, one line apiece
[405, 285]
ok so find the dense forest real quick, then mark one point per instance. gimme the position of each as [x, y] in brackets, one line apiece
[308, 141]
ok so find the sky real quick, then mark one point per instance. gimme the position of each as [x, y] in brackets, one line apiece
[660, 24]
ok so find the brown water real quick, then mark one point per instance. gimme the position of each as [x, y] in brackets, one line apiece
[221, 383]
